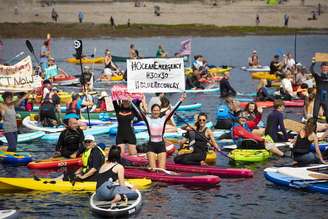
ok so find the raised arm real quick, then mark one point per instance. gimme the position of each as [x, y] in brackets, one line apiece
[141, 114]
[182, 98]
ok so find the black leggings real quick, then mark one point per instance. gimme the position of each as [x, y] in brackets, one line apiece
[193, 158]
[317, 104]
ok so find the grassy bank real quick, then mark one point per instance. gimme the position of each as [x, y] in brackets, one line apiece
[27, 30]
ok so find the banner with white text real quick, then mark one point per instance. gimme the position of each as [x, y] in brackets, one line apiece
[18, 77]
[155, 75]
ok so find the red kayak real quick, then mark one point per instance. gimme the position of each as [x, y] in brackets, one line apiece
[64, 78]
[213, 170]
[288, 103]
[63, 162]
[181, 178]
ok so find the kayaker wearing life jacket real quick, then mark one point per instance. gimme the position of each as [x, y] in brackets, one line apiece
[111, 185]
[254, 60]
[156, 128]
[321, 98]
[47, 112]
[245, 139]
[93, 157]
[226, 113]
[302, 145]
[198, 142]
[70, 141]
[73, 109]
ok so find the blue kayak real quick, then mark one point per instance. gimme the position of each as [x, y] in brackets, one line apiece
[15, 158]
[293, 182]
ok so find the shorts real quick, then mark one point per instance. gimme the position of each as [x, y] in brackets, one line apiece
[127, 139]
[157, 147]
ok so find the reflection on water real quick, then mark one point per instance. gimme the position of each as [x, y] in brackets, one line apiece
[234, 198]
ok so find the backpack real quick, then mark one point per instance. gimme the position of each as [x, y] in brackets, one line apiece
[223, 112]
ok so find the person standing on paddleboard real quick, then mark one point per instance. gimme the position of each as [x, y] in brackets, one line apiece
[321, 98]
[199, 138]
[225, 88]
[156, 128]
[8, 113]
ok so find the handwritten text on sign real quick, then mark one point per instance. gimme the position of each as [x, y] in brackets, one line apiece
[155, 75]
[17, 76]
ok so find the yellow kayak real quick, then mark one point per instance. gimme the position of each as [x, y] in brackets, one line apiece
[46, 184]
[65, 97]
[216, 70]
[86, 60]
[249, 155]
[263, 75]
[210, 156]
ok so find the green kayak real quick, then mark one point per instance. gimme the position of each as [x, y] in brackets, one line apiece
[249, 155]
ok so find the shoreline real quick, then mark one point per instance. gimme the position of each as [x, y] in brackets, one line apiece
[89, 30]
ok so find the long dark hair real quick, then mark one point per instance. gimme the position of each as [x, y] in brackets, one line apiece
[247, 107]
[310, 127]
[114, 154]
[197, 122]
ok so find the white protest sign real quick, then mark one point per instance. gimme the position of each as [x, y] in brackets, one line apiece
[19, 76]
[155, 75]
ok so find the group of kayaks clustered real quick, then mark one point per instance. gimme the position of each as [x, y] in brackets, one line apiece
[118, 172]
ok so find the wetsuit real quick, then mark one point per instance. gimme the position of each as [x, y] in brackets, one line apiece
[275, 124]
[321, 98]
[199, 149]
[156, 129]
[70, 141]
[301, 151]
[106, 191]
[226, 89]
[125, 130]
[193, 82]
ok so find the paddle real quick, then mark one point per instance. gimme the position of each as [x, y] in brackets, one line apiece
[203, 137]
[79, 48]
[31, 49]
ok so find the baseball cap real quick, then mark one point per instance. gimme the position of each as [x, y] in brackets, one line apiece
[89, 138]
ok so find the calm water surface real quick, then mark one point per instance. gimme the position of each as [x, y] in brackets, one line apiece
[234, 198]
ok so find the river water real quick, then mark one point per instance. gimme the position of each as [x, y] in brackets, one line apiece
[234, 198]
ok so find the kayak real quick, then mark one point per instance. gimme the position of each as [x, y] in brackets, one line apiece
[64, 78]
[213, 70]
[113, 78]
[217, 89]
[104, 116]
[25, 137]
[58, 162]
[179, 178]
[94, 130]
[264, 75]
[256, 69]
[65, 97]
[249, 155]
[19, 158]
[308, 178]
[189, 107]
[46, 184]
[210, 155]
[212, 170]
[105, 209]
[177, 134]
[288, 103]
[35, 125]
[245, 99]
[8, 214]
[86, 60]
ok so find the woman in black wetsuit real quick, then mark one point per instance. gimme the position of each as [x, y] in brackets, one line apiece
[125, 115]
[198, 141]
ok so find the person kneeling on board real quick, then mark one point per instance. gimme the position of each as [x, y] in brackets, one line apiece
[199, 138]
[48, 117]
[111, 185]
[70, 140]
[245, 139]
[302, 146]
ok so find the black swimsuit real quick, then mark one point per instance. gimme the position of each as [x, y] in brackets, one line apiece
[103, 177]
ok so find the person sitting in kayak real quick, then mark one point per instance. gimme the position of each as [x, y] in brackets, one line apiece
[262, 92]
[245, 139]
[87, 102]
[225, 87]
[165, 110]
[226, 113]
[254, 60]
[275, 123]
[302, 146]
[48, 117]
[193, 81]
[161, 52]
[276, 66]
[111, 69]
[125, 115]
[111, 185]
[70, 141]
[93, 158]
[73, 109]
[321, 81]
[103, 104]
[199, 138]
[156, 128]
[133, 52]
[286, 89]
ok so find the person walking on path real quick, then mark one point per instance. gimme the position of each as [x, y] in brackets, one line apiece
[257, 20]
[112, 22]
[81, 16]
[286, 20]
[54, 15]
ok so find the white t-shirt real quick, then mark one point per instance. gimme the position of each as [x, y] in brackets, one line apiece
[286, 84]
[290, 63]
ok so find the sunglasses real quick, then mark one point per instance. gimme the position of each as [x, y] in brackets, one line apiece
[87, 141]
[202, 120]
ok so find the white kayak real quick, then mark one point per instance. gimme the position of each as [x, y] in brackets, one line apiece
[94, 130]
[25, 137]
[8, 214]
[35, 125]
[256, 69]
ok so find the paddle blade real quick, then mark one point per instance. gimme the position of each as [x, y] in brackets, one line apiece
[29, 46]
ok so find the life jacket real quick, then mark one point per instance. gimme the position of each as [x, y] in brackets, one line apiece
[223, 112]
[238, 140]
[85, 158]
[72, 108]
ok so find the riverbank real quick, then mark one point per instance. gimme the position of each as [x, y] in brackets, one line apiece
[77, 30]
